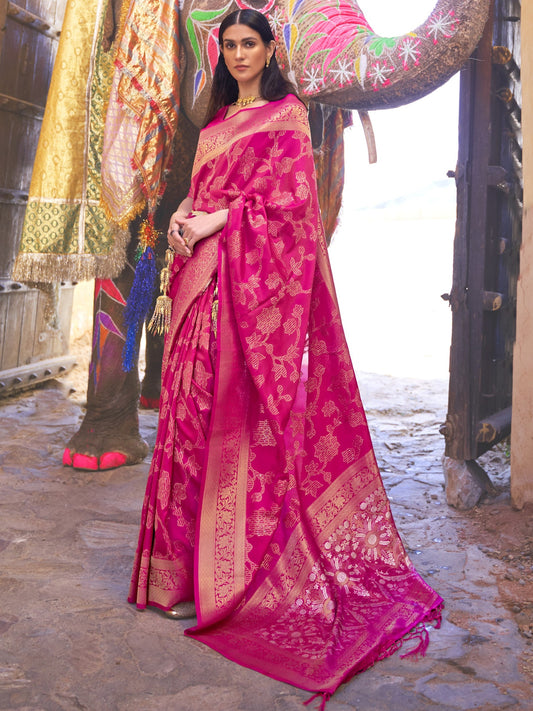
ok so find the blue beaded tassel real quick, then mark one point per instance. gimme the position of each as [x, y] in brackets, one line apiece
[141, 294]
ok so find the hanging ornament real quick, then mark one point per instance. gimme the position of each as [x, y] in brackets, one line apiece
[141, 294]
[160, 321]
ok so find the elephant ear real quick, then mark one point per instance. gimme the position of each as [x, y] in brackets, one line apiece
[327, 135]
[316, 124]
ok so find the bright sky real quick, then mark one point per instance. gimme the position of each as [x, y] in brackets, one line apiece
[391, 17]
[390, 267]
[416, 143]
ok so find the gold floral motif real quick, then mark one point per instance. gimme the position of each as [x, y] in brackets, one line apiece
[263, 434]
[326, 447]
[269, 320]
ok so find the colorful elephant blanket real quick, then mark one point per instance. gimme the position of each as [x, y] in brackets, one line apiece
[264, 502]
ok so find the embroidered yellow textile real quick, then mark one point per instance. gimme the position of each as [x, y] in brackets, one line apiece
[143, 110]
[66, 235]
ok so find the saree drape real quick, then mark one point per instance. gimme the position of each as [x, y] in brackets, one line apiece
[264, 500]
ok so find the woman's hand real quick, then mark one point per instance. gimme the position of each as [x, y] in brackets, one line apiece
[174, 237]
[185, 232]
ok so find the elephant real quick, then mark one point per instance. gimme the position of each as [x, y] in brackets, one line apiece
[337, 62]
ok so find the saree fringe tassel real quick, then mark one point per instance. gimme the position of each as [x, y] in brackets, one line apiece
[125, 218]
[419, 631]
[325, 696]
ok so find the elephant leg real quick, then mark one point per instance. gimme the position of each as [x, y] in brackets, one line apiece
[109, 434]
[178, 183]
[151, 384]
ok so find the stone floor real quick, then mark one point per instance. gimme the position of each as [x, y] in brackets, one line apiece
[69, 640]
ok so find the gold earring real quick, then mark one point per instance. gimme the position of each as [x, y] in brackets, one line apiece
[267, 62]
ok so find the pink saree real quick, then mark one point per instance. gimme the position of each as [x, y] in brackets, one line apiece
[264, 502]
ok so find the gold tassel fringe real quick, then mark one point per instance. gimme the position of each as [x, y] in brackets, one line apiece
[39, 267]
[160, 321]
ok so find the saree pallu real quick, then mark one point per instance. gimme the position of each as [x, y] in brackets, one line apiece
[299, 572]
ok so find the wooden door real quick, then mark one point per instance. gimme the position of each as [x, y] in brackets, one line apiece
[34, 324]
[487, 241]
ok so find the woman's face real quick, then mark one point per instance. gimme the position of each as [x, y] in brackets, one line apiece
[245, 54]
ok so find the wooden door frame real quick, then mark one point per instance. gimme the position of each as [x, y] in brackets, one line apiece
[487, 242]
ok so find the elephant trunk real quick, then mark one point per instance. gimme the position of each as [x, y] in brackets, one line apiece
[337, 59]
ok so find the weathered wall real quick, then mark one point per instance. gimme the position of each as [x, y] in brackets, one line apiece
[522, 432]
[34, 324]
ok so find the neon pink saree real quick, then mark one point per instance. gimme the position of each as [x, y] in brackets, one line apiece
[264, 502]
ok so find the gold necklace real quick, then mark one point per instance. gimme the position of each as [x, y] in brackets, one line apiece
[246, 100]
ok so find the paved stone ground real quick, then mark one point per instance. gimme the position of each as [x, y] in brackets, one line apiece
[69, 640]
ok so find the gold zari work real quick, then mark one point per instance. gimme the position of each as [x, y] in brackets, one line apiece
[66, 235]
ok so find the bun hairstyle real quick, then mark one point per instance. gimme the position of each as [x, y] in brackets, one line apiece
[224, 89]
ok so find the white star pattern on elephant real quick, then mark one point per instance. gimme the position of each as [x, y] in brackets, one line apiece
[344, 73]
[440, 24]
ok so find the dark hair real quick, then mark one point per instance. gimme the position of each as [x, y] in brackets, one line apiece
[225, 89]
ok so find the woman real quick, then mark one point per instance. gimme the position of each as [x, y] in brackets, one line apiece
[264, 503]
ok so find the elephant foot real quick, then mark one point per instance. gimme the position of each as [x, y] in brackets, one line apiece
[100, 445]
[108, 460]
[150, 391]
[147, 403]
